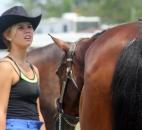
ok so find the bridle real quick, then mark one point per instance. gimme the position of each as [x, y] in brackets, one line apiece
[69, 76]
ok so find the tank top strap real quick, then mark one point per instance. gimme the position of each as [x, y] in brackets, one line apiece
[22, 75]
[31, 66]
[33, 69]
[16, 66]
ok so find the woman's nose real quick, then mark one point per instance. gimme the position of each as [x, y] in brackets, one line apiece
[28, 30]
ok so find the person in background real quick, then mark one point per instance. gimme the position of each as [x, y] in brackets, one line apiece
[19, 79]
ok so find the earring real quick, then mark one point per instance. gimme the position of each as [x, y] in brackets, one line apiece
[9, 39]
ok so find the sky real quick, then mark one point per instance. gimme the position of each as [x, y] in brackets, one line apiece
[4, 5]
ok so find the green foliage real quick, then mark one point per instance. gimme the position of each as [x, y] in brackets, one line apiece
[110, 11]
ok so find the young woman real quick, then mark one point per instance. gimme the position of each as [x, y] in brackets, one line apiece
[19, 79]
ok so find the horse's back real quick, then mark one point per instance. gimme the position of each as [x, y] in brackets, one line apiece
[100, 61]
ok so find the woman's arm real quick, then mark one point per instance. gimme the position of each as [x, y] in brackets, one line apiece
[38, 103]
[40, 115]
[5, 86]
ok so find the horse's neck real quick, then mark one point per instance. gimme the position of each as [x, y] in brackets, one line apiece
[37, 54]
[81, 51]
[87, 43]
[83, 46]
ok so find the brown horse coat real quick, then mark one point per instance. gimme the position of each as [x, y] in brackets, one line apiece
[100, 60]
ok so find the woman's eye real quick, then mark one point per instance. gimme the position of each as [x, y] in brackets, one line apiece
[20, 27]
[30, 26]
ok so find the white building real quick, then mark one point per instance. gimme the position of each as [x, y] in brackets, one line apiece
[69, 22]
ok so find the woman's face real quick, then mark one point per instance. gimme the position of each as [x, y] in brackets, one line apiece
[20, 35]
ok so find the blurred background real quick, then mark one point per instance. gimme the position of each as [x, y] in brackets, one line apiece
[74, 19]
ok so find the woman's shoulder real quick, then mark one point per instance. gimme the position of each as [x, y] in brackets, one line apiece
[5, 64]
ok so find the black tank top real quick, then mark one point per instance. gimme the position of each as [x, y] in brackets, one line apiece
[23, 96]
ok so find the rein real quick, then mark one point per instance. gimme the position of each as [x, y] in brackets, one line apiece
[69, 76]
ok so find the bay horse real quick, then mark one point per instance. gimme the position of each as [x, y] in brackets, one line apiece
[108, 72]
[47, 60]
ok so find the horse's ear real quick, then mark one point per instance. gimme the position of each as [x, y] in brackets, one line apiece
[62, 44]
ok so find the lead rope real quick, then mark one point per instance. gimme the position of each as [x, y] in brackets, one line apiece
[60, 121]
[68, 70]
[61, 102]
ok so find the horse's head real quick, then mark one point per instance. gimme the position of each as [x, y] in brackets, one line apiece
[71, 74]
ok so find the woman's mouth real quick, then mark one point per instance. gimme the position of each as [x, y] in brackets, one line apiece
[29, 38]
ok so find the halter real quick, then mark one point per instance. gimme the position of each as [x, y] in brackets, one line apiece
[69, 76]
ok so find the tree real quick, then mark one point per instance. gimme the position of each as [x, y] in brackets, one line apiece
[110, 11]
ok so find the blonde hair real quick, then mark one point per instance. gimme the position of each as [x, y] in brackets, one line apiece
[8, 33]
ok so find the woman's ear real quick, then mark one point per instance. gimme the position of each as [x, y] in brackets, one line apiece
[6, 35]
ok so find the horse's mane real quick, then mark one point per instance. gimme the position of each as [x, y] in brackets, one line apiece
[95, 36]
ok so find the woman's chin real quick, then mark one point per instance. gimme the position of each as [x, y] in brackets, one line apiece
[29, 43]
